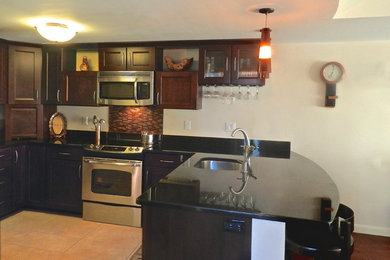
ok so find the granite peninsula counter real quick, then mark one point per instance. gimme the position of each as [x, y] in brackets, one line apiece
[194, 205]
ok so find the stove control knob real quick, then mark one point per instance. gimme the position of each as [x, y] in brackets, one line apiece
[137, 149]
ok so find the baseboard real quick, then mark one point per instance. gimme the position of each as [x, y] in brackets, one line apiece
[372, 230]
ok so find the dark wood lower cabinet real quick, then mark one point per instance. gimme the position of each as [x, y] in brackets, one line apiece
[19, 180]
[64, 178]
[5, 181]
[36, 176]
[170, 234]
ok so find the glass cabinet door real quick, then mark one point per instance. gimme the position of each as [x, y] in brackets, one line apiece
[214, 65]
[245, 67]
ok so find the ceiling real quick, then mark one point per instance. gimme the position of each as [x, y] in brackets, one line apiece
[156, 20]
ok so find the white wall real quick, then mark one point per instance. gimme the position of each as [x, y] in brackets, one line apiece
[351, 141]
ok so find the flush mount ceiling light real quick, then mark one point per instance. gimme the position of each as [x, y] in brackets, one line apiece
[54, 29]
[265, 52]
[56, 32]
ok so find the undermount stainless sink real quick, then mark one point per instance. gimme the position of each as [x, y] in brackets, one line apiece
[217, 164]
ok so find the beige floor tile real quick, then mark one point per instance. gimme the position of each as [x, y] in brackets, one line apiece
[16, 252]
[37, 240]
[36, 235]
[103, 249]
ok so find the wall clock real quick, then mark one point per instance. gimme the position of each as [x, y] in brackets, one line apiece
[331, 73]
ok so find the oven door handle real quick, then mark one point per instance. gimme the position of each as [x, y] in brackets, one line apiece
[112, 163]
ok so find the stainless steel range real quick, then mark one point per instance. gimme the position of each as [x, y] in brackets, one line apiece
[111, 185]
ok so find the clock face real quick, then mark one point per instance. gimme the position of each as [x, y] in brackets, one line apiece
[332, 72]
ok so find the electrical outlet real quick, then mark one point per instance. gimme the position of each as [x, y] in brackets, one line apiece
[84, 120]
[230, 126]
[187, 124]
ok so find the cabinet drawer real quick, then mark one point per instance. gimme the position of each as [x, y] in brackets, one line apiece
[65, 152]
[165, 160]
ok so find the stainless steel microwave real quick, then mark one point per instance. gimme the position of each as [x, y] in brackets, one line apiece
[125, 88]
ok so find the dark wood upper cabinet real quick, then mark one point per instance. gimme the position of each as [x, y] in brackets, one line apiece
[79, 88]
[141, 58]
[245, 70]
[229, 64]
[27, 121]
[214, 65]
[131, 58]
[56, 61]
[3, 72]
[112, 59]
[24, 75]
[178, 90]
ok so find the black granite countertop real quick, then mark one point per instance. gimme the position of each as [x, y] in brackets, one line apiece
[285, 188]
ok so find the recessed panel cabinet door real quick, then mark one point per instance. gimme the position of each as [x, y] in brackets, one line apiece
[112, 59]
[141, 58]
[24, 75]
[80, 88]
[178, 90]
[3, 72]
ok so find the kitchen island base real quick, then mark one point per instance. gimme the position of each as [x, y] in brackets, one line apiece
[170, 233]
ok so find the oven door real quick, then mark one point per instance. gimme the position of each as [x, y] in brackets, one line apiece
[113, 181]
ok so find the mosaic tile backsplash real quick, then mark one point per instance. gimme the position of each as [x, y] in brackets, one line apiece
[133, 120]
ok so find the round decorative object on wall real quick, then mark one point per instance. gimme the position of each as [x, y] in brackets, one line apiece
[332, 72]
[57, 127]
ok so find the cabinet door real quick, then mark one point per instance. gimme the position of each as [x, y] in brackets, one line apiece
[178, 90]
[64, 179]
[246, 65]
[3, 72]
[23, 121]
[19, 184]
[36, 176]
[52, 80]
[5, 181]
[24, 75]
[112, 59]
[80, 88]
[141, 58]
[214, 65]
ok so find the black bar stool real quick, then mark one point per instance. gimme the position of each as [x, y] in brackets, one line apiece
[319, 242]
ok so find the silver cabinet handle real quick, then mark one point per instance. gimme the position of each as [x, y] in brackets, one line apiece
[235, 64]
[58, 96]
[65, 154]
[227, 63]
[2, 155]
[16, 156]
[67, 88]
[181, 158]
[47, 76]
[94, 96]
[2, 169]
[158, 98]
[37, 94]
[80, 171]
[166, 161]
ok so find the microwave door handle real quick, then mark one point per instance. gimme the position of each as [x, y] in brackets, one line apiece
[135, 91]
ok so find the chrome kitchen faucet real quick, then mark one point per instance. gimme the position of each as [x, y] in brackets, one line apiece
[246, 165]
[98, 127]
